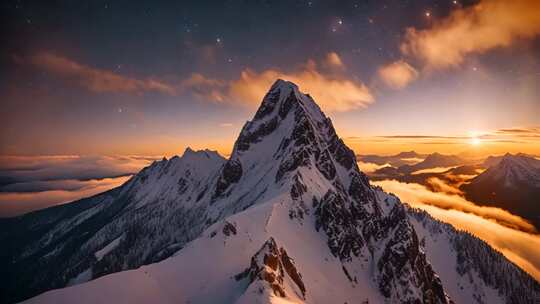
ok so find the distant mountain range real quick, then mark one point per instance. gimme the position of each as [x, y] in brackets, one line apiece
[400, 159]
[287, 218]
[507, 181]
[512, 182]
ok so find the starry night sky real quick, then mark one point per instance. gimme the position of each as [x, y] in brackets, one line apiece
[54, 108]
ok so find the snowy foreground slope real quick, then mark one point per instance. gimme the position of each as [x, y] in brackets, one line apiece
[288, 218]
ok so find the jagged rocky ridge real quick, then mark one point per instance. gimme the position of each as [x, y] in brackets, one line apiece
[288, 217]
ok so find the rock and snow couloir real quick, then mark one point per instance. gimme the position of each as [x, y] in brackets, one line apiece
[288, 218]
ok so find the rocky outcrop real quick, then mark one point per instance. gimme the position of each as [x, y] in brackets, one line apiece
[271, 265]
[404, 272]
[231, 173]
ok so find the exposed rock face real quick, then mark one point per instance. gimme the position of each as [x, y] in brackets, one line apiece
[271, 265]
[403, 264]
[231, 173]
[229, 229]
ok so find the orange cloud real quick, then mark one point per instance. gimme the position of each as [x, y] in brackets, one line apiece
[487, 25]
[416, 195]
[519, 247]
[333, 60]
[98, 80]
[440, 186]
[336, 93]
[433, 170]
[332, 90]
[398, 74]
[371, 167]
[205, 88]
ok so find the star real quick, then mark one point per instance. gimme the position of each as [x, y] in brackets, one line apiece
[428, 14]
[218, 40]
[340, 22]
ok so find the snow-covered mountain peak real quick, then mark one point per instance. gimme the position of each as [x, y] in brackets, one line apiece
[287, 135]
[513, 170]
[288, 217]
[191, 155]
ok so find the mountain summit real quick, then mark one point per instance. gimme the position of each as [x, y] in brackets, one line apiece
[288, 218]
[512, 183]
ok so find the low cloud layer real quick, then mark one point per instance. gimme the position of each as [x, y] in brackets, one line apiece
[474, 30]
[24, 169]
[416, 194]
[433, 170]
[441, 186]
[493, 225]
[34, 182]
[52, 194]
[371, 167]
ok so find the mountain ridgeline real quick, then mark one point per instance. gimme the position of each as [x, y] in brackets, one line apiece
[288, 218]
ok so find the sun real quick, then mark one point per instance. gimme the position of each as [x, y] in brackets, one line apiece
[474, 137]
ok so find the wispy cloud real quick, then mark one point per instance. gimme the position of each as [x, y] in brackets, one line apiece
[473, 30]
[94, 79]
[332, 93]
[398, 74]
[518, 135]
[524, 132]
[423, 137]
[334, 60]
[326, 81]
